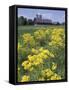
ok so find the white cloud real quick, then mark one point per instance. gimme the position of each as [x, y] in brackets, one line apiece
[47, 15]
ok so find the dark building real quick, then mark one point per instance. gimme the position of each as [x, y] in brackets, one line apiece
[39, 20]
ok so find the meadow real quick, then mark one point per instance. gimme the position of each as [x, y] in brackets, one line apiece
[41, 53]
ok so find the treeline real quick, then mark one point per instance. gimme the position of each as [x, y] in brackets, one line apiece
[24, 21]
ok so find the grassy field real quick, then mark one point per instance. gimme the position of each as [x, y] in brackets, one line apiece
[30, 29]
[44, 45]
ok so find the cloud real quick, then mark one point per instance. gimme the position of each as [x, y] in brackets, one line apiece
[47, 15]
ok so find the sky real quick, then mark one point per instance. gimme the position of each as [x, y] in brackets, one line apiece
[54, 15]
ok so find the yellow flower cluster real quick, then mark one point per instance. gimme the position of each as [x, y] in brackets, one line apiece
[40, 34]
[57, 37]
[47, 72]
[55, 77]
[26, 64]
[50, 75]
[36, 59]
[28, 39]
[25, 78]
[39, 55]
[34, 51]
[42, 52]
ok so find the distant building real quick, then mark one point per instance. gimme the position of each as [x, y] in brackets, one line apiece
[39, 20]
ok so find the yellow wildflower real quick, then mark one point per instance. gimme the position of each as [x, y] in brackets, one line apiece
[34, 51]
[57, 38]
[25, 78]
[40, 34]
[26, 64]
[47, 72]
[55, 77]
[46, 51]
[54, 66]
[31, 69]
[28, 39]
[41, 49]
[38, 61]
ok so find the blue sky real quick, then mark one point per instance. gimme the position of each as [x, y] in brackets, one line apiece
[54, 15]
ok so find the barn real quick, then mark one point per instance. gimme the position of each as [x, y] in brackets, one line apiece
[39, 20]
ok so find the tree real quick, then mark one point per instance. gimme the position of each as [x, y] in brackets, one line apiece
[30, 22]
[20, 20]
[25, 21]
[58, 23]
